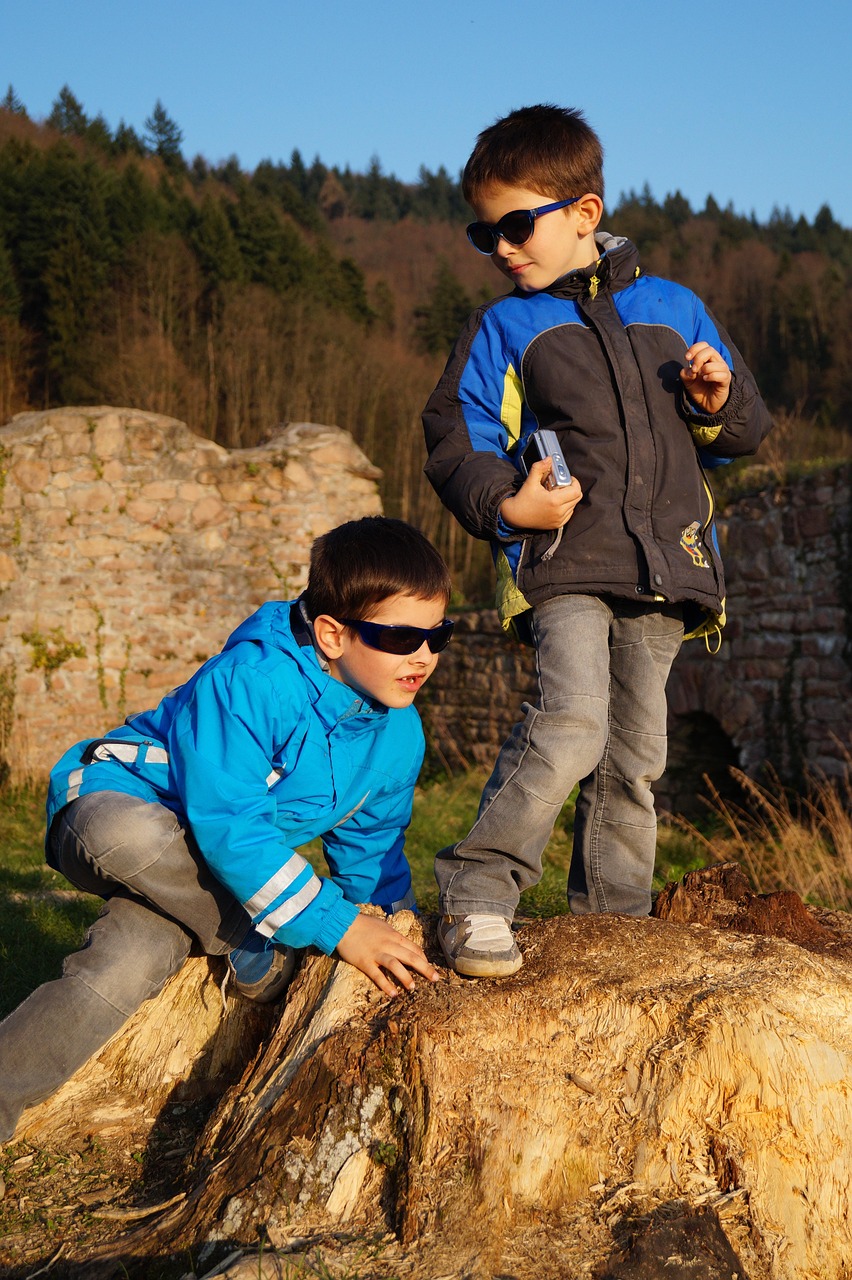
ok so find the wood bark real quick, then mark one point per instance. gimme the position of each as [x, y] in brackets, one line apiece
[633, 1070]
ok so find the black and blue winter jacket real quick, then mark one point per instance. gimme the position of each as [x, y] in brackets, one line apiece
[596, 358]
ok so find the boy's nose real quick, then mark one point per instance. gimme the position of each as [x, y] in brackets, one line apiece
[503, 249]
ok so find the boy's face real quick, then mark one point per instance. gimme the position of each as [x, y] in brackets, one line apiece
[560, 242]
[390, 678]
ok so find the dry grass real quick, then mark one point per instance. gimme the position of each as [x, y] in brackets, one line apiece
[784, 841]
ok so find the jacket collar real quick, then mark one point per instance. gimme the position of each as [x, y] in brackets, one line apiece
[616, 268]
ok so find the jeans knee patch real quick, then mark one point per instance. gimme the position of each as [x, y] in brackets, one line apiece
[120, 833]
[128, 955]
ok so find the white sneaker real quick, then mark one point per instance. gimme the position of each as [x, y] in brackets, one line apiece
[479, 946]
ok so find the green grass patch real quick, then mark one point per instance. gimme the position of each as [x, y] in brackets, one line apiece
[39, 926]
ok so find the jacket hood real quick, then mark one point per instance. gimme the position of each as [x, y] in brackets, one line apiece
[284, 625]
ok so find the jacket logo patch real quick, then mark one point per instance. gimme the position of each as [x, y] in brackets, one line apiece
[691, 543]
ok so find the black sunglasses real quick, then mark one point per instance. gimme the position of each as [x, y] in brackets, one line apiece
[400, 640]
[515, 227]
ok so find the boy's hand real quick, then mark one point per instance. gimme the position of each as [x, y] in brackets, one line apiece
[535, 507]
[373, 946]
[707, 378]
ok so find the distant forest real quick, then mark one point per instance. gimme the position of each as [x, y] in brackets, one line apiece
[237, 301]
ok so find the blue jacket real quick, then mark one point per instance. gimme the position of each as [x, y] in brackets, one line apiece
[260, 752]
[596, 358]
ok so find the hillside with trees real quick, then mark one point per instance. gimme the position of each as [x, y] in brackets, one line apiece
[238, 300]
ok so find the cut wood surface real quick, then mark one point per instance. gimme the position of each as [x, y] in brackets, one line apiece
[631, 1071]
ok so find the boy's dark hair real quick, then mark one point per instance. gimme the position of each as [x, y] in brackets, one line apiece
[357, 565]
[545, 148]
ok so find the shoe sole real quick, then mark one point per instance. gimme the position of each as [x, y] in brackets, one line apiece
[470, 967]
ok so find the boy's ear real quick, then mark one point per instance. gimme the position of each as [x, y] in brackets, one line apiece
[589, 211]
[329, 635]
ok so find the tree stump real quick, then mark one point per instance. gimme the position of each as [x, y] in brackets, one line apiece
[189, 1043]
[630, 1072]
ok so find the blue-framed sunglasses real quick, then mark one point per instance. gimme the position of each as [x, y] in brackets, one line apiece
[401, 640]
[515, 227]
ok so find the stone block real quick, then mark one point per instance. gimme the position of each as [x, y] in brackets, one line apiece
[296, 476]
[209, 511]
[143, 510]
[159, 490]
[94, 497]
[31, 475]
[148, 534]
[235, 490]
[8, 568]
[98, 548]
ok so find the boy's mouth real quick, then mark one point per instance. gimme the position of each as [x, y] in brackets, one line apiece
[411, 683]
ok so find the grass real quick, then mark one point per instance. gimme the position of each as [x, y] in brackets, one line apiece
[39, 924]
[781, 841]
[785, 841]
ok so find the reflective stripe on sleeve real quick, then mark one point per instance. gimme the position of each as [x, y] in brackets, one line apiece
[75, 779]
[289, 909]
[280, 882]
[128, 752]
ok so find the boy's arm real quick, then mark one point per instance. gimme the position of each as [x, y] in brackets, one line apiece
[366, 859]
[220, 757]
[725, 412]
[467, 438]
[219, 750]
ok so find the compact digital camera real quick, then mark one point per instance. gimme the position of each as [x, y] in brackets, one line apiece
[544, 444]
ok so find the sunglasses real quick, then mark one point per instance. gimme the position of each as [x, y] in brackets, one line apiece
[515, 227]
[400, 640]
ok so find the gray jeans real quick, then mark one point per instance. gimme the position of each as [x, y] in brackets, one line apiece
[600, 720]
[160, 899]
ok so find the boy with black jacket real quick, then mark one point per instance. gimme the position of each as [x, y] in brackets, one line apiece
[604, 574]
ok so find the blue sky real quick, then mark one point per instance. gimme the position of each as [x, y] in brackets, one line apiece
[748, 101]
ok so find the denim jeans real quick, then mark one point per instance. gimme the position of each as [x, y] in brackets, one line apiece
[160, 899]
[600, 720]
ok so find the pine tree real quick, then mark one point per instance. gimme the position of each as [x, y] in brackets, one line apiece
[67, 114]
[13, 103]
[439, 321]
[164, 136]
[127, 141]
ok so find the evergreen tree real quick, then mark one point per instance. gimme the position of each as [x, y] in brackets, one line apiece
[214, 243]
[13, 103]
[127, 141]
[98, 134]
[438, 322]
[438, 198]
[67, 114]
[163, 136]
[10, 297]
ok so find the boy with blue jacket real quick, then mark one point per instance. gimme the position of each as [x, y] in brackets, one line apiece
[188, 818]
[644, 391]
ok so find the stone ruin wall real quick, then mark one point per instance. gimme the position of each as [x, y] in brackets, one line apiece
[780, 688]
[130, 548]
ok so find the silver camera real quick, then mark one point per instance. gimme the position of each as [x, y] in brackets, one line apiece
[544, 444]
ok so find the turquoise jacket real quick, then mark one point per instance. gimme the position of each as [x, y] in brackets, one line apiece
[260, 752]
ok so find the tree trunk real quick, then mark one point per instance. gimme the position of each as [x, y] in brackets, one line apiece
[634, 1072]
